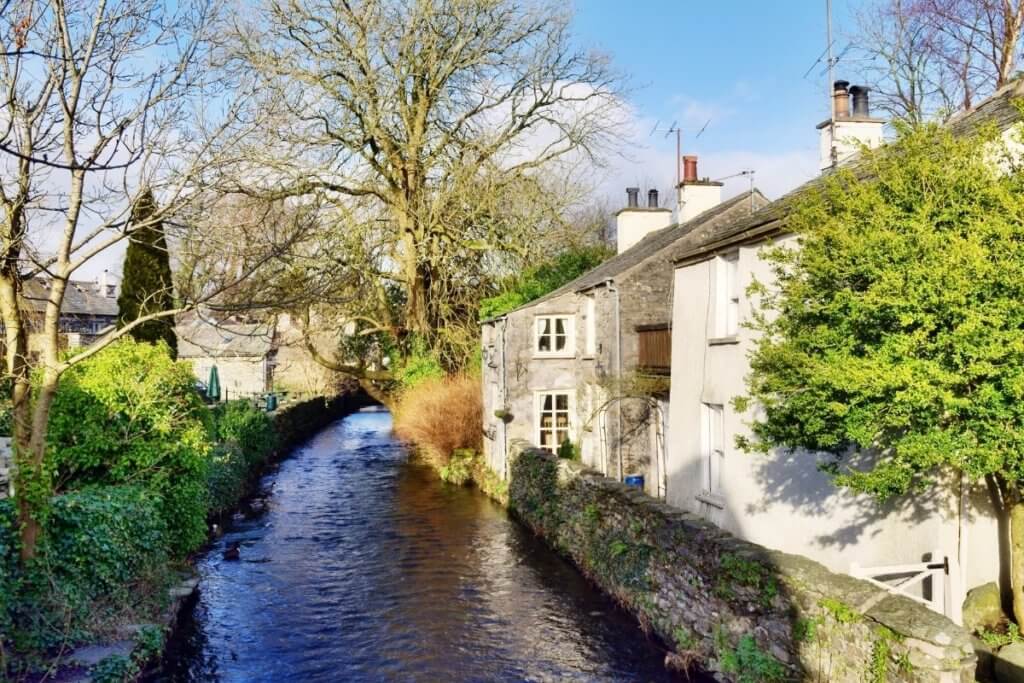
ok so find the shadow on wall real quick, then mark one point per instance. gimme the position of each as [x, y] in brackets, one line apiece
[725, 604]
[792, 478]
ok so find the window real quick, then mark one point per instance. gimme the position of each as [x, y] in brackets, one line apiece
[591, 314]
[727, 296]
[713, 440]
[552, 419]
[554, 335]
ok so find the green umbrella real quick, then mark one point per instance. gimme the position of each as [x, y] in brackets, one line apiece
[213, 385]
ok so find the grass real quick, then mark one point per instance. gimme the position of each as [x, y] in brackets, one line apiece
[441, 417]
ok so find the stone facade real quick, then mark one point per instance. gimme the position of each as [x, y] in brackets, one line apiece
[733, 607]
[617, 410]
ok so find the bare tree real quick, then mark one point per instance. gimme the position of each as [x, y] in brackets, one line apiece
[928, 58]
[434, 131]
[100, 102]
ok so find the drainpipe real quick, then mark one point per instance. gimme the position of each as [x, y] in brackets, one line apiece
[504, 403]
[610, 284]
[957, 594]
[662, 474]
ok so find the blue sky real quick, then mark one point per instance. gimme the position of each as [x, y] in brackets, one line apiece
[739, 63]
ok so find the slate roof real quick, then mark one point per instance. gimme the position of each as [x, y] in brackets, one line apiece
[999, 109]
[80, 298]
[199, 338]
[655, 243]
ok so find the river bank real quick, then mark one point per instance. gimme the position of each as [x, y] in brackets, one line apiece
[364, 566]
[138, 604]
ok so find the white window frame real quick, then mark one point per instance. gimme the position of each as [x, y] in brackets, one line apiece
[727, 293]
[712, 451]
[570, 336]
[569, 410]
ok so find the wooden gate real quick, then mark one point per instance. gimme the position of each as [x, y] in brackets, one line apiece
[925, 582]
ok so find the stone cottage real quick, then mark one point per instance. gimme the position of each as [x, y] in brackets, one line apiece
[244, 353]
[88, 311]
[586, 366]
[933, 546]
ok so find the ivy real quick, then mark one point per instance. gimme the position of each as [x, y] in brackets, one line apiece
[734, 570]
[748, 663]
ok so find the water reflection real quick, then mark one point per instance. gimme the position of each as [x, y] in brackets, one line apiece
[365, 567]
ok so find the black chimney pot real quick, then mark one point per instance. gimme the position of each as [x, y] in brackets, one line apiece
[633, 197]
[860, 100]
[652, 199]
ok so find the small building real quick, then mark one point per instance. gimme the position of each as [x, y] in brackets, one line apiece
[585, 368]
[243, 352]
[89, 310]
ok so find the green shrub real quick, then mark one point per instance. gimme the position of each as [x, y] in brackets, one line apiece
[9, 571]
[419, 366]
[226, 477]
[539, 280]
[130, 414]
[246, 426]
[748, 663]
[104, 547]
[459, 470]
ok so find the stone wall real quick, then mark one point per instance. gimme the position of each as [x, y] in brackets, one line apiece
[297, 422]
[731, 606]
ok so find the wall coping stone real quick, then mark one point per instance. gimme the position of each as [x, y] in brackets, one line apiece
[683, 583]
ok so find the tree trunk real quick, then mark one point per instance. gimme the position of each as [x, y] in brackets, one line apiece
[1016, 514]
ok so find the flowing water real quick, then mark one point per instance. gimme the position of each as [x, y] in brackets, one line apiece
[364, 567]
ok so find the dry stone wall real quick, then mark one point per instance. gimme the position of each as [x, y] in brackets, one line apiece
[734, 607]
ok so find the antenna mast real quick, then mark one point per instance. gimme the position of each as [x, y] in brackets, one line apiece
[831, 80]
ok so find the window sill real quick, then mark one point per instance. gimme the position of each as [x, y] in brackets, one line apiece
[711, 499]
[548, 356]
[723, 341]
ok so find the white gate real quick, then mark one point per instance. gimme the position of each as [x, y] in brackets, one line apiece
[925, 582]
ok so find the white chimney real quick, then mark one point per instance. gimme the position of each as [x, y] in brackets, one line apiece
[102, 284]
[843, 135]
[634, 222]
[696, 195]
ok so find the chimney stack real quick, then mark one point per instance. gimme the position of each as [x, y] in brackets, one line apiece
[860, 100]
[689, 168]
[634, 222]
[695, 195]
[632, 197]
[843, 135]
[841, 99]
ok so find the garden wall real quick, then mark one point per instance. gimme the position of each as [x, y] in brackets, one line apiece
[731, 606]
[297, 422]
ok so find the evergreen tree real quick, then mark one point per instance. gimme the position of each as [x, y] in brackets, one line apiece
[146, 287]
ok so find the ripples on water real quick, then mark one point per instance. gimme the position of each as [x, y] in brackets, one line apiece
[366, 568]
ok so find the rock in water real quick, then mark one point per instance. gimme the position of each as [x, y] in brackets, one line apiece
[232, 552]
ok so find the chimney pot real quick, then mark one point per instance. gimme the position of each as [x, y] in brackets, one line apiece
[652, 199]
[690, 168]
[841, 99]
[632, 197]
[861, 107]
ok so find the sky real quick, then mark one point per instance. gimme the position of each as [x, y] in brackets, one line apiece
[739, 64]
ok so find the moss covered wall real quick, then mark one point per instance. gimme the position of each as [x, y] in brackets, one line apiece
[735, 607]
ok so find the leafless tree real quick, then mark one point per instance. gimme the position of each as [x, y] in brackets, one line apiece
[929, 58]
[100, 101]
[433, 133]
